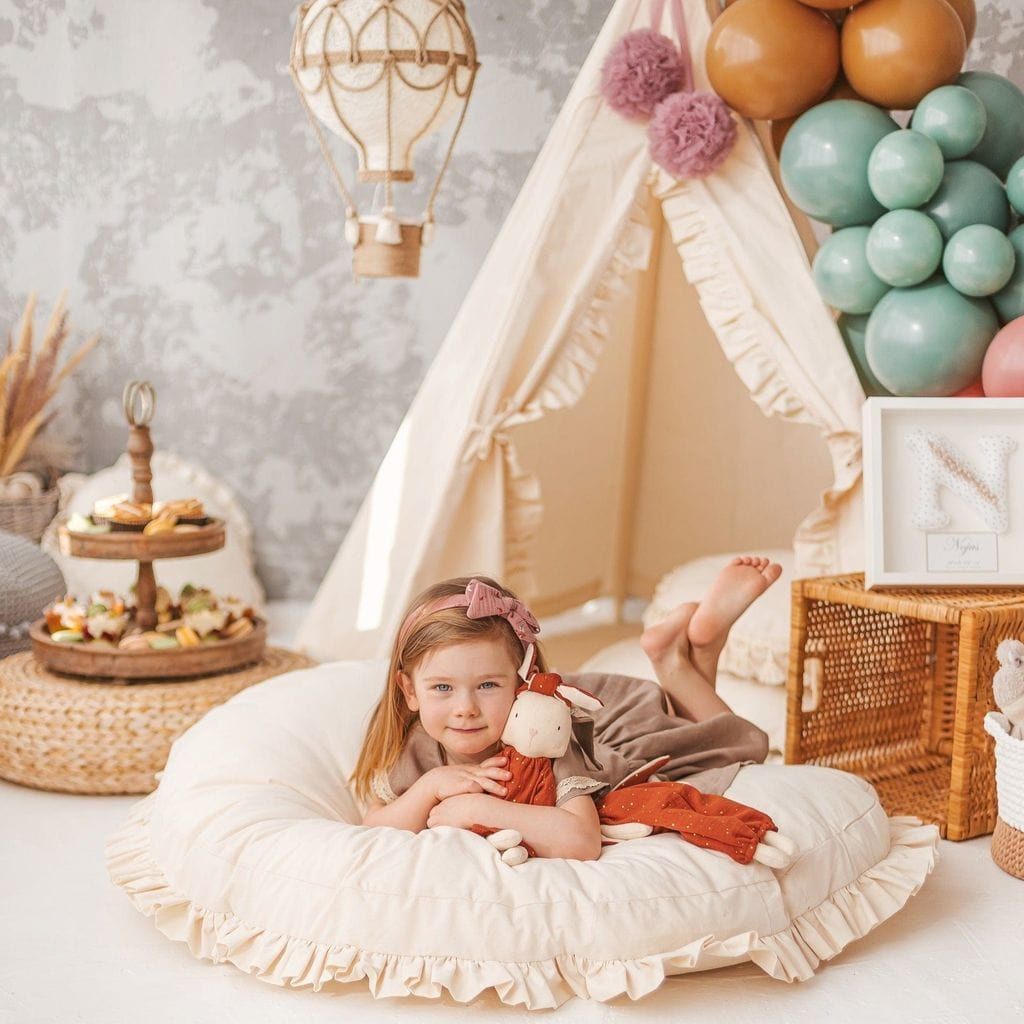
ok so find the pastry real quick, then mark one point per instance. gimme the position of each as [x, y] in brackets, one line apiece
[121, 513]
[77, 523]
[186, 637]
[66, 614]
[236, 608]
[238, 629]
[67, 636]
[200, 611]
[188, 511]
[164, 523]
[106, 616]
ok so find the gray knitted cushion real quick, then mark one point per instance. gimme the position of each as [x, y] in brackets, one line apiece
[29, 581]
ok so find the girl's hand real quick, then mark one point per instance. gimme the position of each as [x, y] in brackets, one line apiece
[457, 811]
[459, 779]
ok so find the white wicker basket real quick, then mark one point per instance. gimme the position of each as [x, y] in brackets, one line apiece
[1008, 837]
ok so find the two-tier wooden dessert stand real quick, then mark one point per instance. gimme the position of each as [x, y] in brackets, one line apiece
[78, 735]
[83, 659]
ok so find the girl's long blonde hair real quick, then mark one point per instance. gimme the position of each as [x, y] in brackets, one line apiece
[392, 719]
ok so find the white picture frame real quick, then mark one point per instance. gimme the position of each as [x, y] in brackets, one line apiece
[944, 492]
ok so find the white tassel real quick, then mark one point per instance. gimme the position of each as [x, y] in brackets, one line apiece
[352, 229]
[427, 234]
[389, 231]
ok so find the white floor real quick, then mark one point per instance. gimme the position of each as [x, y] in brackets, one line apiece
[74, 951]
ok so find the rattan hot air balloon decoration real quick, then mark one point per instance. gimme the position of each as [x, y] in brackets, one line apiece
[384, 74]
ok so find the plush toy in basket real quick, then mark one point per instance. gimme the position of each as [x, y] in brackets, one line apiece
[1008, 685]
[1007, 729]
[540, 728]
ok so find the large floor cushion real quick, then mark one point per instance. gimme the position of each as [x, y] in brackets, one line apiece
[250, 852]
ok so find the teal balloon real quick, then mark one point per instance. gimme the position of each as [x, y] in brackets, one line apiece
[1009, 302]
[1003, 141]
[842, 274]
[978, 260]
[929, 340]
[904, 248]
[824, 161]
[952, 116]
[853, 327]
[905, 169]
[1015, 186]
[969, 194]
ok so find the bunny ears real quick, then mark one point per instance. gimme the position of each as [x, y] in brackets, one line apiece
[550, 684]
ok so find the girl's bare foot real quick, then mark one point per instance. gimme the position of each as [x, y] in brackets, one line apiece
[669, 650]
[735, 589]
[668, 638]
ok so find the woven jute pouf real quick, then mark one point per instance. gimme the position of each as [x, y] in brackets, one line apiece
[71, 736]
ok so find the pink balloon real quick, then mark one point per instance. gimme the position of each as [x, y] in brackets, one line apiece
[974, 390]
[1002, 373]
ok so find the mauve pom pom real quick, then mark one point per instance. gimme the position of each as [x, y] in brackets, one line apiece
[691, 134]
[640, 71]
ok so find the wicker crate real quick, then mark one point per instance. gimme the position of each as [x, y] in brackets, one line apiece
[895, 687]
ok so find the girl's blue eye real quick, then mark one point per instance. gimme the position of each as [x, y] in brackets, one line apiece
[490, 682]
[441, 686]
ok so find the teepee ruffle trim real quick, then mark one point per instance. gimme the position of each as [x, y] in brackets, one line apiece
[791, 954]
[561, 388]
[744, 334]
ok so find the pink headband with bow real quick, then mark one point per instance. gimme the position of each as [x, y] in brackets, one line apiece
[481, 600]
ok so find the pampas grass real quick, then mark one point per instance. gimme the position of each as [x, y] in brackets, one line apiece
[29, 381]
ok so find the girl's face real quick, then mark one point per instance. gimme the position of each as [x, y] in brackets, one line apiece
[463, 693]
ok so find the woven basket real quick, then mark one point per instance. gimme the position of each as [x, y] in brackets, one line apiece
[29, 517]
[894, 687]
[62, 734]
[1008, 837]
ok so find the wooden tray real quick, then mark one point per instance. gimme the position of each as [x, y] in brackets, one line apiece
[127, 544]
[124, 666]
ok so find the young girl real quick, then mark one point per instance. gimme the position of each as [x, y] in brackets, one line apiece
[429, 755]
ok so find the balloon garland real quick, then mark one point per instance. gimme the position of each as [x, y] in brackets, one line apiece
[922, 265]
[920, 248]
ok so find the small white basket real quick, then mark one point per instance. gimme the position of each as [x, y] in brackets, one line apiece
[1008, 837]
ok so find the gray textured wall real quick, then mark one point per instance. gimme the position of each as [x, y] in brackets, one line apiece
[154, 159]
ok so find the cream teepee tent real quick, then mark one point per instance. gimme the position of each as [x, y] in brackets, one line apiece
[579, 432]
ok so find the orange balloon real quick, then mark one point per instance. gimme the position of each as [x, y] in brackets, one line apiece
[967, 12]
[896, 51]
[841, 90]
[770, 59]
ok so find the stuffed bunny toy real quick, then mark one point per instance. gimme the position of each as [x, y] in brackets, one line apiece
[1008, 684]
[539, 729]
